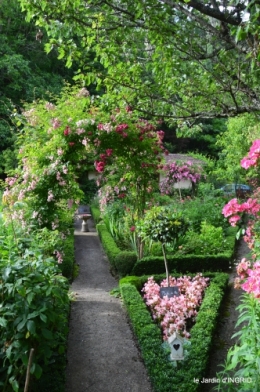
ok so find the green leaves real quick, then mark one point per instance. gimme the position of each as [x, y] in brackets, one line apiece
[31, 327]
[30, 318]
[162, 224]
[243, 358]
[160, 59]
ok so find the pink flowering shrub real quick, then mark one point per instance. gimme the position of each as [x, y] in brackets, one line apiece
[176, 172]
[249, 277]
[234, 211]
[248, 272]
[173, 313]
[253, 155]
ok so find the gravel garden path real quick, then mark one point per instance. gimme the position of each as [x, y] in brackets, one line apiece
[228, 319]
[102, 354]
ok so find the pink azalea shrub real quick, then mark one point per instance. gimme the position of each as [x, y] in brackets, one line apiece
[248, 272]
[233, 210]
[249, 277]
[253, 155]
[172, 313]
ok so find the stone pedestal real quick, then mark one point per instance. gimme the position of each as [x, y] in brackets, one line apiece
[85, 219]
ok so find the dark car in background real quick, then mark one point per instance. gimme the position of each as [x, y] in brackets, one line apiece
[236, 190]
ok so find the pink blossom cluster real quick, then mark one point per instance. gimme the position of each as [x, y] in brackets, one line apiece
[50, 106]
[56, 123]
[10, 181]
[67, 131]
[100, 165]
[59, 256]
[107, 127]
[249, 236]
[249, 278]
[83, 93]
[145, 126]
[106, 195]
[17, 215]
[252, 158]
[121, 128]
[176, 172]
[173, 313]
[147, 130]
[233, 210]
[50, 196]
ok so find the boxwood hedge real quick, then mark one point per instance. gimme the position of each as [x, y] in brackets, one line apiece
[164, 376]
[121, 261]
[125, 262]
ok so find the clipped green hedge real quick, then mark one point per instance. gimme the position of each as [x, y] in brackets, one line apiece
[165, 377]
[121, 261]
[192, 263]
[125, 261]
[68, 261]
[95, 212]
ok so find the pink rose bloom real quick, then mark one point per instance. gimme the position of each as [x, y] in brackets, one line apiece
[67, 131]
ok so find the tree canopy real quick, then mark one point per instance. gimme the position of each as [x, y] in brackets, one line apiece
[26, 72]
[180, 60]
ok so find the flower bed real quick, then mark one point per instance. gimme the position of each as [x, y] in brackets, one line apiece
[164, 376]
[173, 313]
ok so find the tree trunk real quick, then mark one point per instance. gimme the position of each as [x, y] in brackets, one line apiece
[140, 248]
[166, 265]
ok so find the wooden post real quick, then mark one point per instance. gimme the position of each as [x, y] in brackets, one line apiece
[27, 380]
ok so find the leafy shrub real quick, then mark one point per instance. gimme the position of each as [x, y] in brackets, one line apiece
[190, 262]
[33, 314]
[208, 209]
[243, 358]
[209, 241]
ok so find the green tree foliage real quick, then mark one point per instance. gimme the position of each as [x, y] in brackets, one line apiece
[164, 225]
[26, 72]
[234, 144]
[177, 59]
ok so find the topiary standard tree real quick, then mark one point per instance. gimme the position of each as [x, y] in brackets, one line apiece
[164, 225]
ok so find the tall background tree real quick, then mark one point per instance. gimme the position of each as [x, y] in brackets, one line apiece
[180, 60]
[26, 72]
